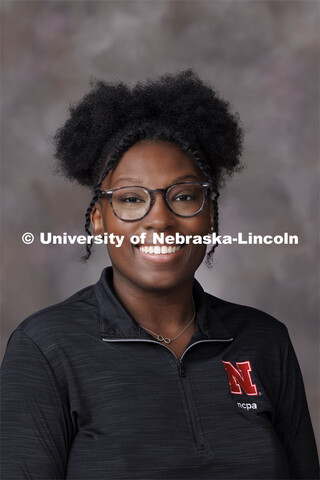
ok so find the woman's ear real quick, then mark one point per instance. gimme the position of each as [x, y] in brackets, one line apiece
[211, 215]
[97, 219]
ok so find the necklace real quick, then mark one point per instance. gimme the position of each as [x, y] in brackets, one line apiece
[169, 340]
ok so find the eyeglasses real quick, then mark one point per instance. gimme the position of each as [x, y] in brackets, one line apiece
[185, 199]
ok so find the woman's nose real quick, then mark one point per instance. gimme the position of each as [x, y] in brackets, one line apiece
[160, 216]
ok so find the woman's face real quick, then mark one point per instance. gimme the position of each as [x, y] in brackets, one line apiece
[153, 165]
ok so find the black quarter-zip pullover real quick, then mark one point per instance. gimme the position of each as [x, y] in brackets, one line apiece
[87, 394]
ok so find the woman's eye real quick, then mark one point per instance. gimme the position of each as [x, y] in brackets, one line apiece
[182, 198]
[131, 200]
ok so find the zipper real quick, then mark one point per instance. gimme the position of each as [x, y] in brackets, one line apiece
[197, 434]
[182, 369]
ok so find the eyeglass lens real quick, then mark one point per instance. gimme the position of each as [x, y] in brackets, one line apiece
[132, 203]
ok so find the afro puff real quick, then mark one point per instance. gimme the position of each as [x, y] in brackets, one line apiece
[179, 108]
[181, 103]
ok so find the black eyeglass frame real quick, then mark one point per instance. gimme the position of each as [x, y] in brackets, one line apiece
[109, 193]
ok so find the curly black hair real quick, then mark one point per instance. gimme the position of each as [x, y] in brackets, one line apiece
[178, 108]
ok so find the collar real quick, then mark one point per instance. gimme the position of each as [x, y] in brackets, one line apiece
[117, 323]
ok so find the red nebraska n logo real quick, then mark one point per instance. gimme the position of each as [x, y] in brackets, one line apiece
[240, 378]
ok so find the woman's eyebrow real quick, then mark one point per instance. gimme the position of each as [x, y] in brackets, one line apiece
[129, 179]
[139, 182]
[184, 177]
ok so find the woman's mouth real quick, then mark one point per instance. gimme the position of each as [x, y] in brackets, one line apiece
[159, 250]
[160, 253]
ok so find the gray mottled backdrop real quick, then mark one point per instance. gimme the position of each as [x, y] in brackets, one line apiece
[261, 55]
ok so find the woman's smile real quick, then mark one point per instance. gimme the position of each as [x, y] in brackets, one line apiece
[160, 253]
[159, 250]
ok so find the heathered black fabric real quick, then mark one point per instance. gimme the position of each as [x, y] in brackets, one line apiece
[88, 394]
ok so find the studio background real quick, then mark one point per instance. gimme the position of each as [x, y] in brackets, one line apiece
[260, 55]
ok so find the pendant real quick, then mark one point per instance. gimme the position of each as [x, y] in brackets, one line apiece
[163, 339]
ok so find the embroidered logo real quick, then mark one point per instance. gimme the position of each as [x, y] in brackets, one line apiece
[240, 378]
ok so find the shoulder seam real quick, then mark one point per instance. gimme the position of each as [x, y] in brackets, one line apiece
[253, 310]
[51, 307]
[38, 349]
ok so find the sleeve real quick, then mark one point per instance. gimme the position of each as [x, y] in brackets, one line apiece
[36, 428]
[292, 422]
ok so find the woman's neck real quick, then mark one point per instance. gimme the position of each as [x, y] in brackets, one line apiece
[164, 312]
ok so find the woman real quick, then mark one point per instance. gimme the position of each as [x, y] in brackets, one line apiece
[144, 375]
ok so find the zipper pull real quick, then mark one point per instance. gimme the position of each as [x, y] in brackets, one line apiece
[182, 369]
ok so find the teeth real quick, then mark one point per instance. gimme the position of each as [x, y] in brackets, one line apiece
[157, 250]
